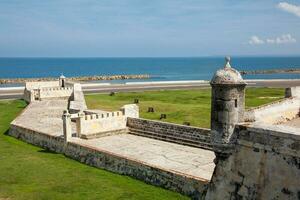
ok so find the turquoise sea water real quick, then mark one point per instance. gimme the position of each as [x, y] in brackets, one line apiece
[160, 69]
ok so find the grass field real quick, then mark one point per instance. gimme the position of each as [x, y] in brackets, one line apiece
[179, 105]
[29, 172]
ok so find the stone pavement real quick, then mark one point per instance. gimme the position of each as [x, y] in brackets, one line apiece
[182, 159]
[293, 123]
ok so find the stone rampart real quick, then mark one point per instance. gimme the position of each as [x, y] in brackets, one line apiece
[187, 135]
[264, 164]
[185, 184]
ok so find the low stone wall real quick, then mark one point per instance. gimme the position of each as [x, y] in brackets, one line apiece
[187, 135]
[264, 164]
[175, 181]
[43, 140]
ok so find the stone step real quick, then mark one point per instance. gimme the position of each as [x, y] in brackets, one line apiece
[172, 139]
[181, 136]
[177, 141]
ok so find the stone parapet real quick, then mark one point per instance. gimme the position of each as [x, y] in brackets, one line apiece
[266, 139]
[274, 113]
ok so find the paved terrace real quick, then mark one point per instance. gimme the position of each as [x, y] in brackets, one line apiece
[293, 123]
[46, 117]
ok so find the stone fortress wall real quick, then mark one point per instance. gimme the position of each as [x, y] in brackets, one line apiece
[264, 164]
[257, 153]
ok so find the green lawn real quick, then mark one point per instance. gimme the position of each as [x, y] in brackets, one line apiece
[180, 105]
[29, 172]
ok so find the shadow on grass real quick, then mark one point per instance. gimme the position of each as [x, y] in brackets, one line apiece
[46, 151]
[6, 132]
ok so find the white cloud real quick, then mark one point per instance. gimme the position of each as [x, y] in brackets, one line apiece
[283, 39]
[254, 40]
[289, 8]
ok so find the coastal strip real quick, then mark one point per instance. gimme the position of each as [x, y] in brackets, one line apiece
[78, 78]
[272, 71]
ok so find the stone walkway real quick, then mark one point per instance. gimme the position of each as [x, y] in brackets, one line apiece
[43, 116]
[182, 159]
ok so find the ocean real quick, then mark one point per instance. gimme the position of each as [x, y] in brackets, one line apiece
[160, 69]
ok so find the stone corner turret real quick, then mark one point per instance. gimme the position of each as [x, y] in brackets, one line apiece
[227, 106]
[62, 80]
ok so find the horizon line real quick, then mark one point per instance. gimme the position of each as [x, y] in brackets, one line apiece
[207, 56]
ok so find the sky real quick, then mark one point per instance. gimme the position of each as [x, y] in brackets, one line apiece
[142, 28]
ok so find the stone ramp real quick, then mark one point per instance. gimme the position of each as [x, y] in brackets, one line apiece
[43, 116]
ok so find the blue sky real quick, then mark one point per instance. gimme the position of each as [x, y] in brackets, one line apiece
[140, 28]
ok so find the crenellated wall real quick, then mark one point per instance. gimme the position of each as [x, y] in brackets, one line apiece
[187, 135]
[98, 125]
[41, 84]
[55, 92]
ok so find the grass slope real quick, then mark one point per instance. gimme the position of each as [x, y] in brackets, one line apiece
[29, 172]
[180, 105]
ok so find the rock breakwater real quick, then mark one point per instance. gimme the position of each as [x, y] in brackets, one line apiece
[79, 78]
[273, 71]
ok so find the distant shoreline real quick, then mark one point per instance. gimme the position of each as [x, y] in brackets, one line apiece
[79, 78]
[271, 71]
